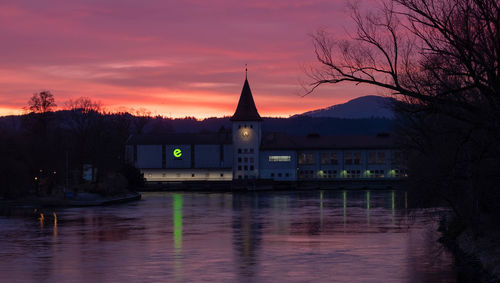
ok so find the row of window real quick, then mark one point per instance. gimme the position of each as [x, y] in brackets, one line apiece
[279, 175]
[331, 174]
[164, 175]
[245, 126]
[350, 158]
[245, 167]
[245, 159]
[245, 150]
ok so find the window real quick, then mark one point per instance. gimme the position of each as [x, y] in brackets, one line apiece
[251, 159]
[325, 158]
[222, 174]
[272, 174]
[329, 158]
[239, 150]
[306, 174]
[251, 150]
[280, 158]
[333, 158]
[245, 150]
[397, 157]
[239, 126]
[371, 157]
[192, 175]
[381, 157]
[251, 126]
[279, 175]
[357, 158]
[239, 167]
[306, 158]
[287, 175]
[348, 158]
[245, 159]
[239, 159]
[353, 173]
[245, 167]
[251, 167]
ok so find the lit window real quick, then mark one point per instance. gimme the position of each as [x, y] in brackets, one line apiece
[280, 158]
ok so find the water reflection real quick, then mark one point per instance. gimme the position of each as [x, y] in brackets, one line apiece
[247, 230]
[345, 236]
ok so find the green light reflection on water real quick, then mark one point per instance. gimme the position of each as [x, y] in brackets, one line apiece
[177, 221]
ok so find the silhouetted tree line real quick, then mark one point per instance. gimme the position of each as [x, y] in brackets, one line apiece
[44, 151]
[440, 59]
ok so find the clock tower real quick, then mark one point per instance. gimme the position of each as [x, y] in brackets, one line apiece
[247, 134]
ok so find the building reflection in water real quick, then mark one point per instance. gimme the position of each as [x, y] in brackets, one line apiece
[344, 201]
[247, 235]
[368, 208]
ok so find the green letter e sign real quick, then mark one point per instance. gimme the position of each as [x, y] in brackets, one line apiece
[177, 153]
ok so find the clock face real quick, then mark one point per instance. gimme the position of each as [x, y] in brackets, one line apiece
[245, 133]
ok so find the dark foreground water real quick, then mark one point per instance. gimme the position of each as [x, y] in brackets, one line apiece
[263, 237]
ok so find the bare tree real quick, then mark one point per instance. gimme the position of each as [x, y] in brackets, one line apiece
[440, 52]
[84, 104]
[42, 102]
[441, 58]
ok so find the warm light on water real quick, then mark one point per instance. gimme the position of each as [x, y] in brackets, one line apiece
[322, 236]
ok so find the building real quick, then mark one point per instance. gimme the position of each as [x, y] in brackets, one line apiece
[247, 153]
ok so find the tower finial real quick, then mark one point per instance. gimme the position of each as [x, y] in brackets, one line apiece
[246, 71]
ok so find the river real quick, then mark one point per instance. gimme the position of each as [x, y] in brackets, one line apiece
[322, 236]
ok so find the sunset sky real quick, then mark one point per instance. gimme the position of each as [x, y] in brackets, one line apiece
[173, 58]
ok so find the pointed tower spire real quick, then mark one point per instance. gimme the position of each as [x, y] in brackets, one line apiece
[246, 109]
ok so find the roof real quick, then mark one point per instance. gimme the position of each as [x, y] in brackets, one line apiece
[277, 141]
[246, 109]
[182, 138]
[272, 141]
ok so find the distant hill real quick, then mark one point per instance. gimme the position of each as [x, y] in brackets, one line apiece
[370, 106]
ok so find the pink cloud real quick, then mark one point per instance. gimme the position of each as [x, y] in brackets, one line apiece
[165, 54]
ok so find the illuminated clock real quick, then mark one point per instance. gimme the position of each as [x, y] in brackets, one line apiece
[245, 133]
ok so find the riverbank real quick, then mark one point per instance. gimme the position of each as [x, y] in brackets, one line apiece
[80, 199]
[271, 185]
[477, 257]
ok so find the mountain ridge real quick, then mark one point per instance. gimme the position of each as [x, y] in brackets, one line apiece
[369, 106]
